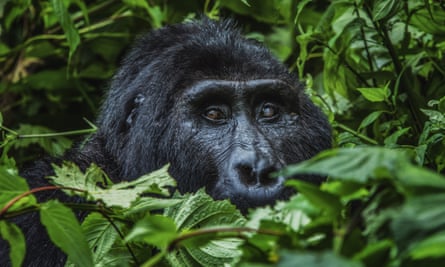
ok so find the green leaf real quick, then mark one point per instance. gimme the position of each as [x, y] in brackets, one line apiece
[70, 175]
[155, 230]
[100, 234]
[370, 119]
[146, 204]
[417, 219]
[432, 246]
[391, 141]
[325, 200]
[12, 185]
[14, 236]
[385, 9]
[199, 210]
[125, 193]
[120, 195]
[314, 259]
[67, 24]
[375, 253]
[66, 233]
[415, 180]
[357, 164]
[56, 145]
[374, 94]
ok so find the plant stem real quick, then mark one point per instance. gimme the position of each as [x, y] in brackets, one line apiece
[75, 132]
[359, 135]
[236, 230]
[32, 191]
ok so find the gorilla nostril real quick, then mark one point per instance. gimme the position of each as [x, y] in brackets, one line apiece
[265, 176]
[247, 175]
[251, 177]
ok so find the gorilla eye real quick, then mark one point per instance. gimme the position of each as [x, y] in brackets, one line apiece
[268, 111]
[215, 114]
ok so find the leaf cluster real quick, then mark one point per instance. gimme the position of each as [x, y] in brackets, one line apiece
[376, 68]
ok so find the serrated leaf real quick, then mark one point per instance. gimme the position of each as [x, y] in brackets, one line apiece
[66, 233]
[100, 234]
[70, 175]
[125, 193]
[16, 240]
[156, 230]
[199, 210]
[96, 184]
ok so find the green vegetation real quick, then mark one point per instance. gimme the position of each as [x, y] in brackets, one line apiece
[376, 68]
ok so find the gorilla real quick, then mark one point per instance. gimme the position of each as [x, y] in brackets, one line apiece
[198, 95]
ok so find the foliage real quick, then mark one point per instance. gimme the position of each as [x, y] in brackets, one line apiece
[376, 68]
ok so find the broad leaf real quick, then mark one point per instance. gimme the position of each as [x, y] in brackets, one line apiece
[12, 185]
[65, 231]
[14, 236]
[356, 165]
[432, 246]
[374, 94]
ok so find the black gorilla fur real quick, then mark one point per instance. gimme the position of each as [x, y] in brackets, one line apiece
[220, 108]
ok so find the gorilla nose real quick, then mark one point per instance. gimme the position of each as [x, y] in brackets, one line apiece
[256, 174]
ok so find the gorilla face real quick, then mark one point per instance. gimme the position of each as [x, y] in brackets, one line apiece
[218, 107]
[242, 130]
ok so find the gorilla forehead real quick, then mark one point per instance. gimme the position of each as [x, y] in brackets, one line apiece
[202, 49]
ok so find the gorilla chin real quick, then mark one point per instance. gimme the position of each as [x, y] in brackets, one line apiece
[218, 107]
[246, 197]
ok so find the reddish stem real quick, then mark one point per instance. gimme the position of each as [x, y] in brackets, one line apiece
[32, 191]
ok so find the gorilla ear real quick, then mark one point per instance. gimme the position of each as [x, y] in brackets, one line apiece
[134, 106]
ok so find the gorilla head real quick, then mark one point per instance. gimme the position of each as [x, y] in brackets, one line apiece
[218, 107]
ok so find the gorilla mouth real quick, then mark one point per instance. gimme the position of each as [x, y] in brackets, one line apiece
[245, 196]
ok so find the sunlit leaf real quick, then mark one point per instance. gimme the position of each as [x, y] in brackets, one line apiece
[12, 185]
[432, 246]
[325, 200]
[374, 94]
[156, 230]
